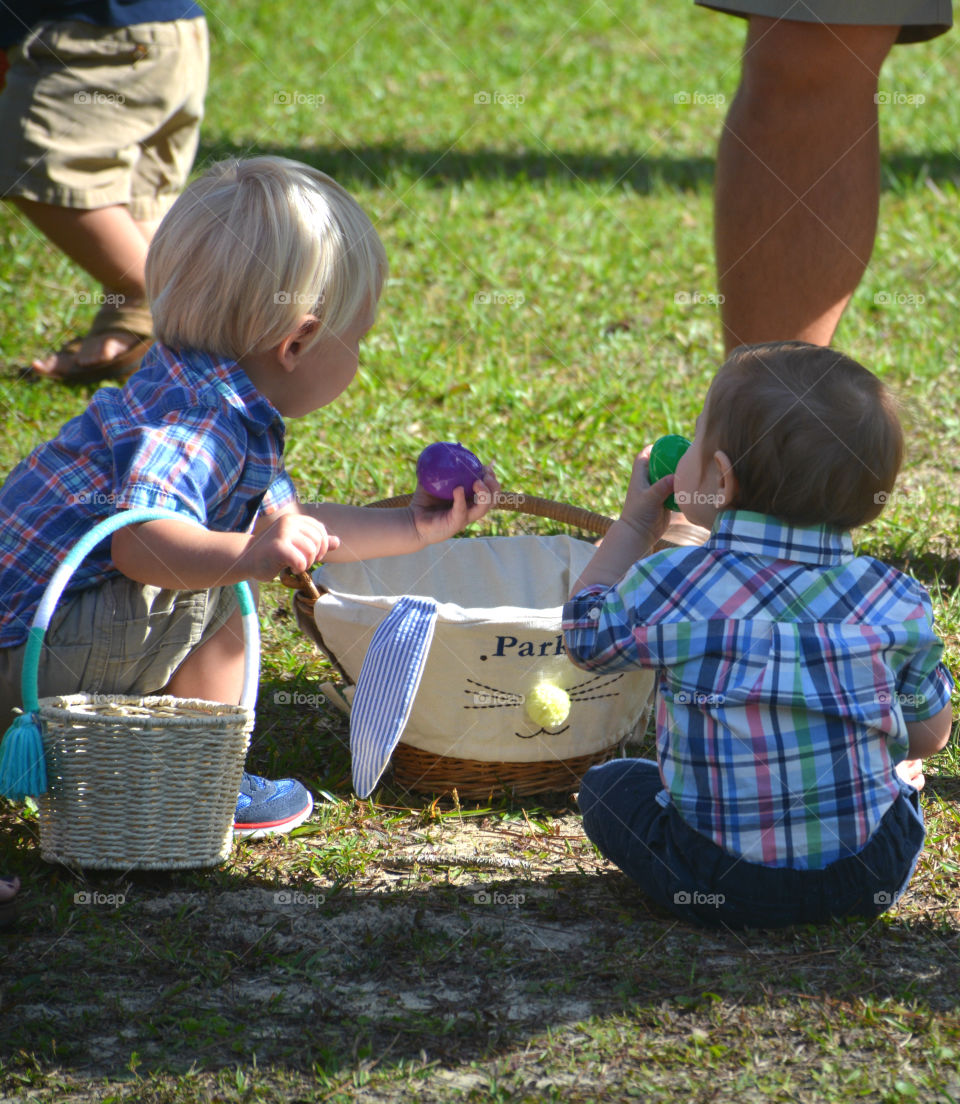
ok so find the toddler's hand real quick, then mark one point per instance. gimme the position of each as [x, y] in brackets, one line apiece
[643, 507]
[436, 519]
[296, 541]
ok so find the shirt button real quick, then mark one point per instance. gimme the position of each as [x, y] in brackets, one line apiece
[594, 614]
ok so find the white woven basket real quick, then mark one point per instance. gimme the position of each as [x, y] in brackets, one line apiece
[147, 783]
[138, 782]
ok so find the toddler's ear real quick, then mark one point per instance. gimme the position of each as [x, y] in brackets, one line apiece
[290, 348]
[727, 485]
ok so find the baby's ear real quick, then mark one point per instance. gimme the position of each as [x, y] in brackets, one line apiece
[290, 348]
[727, 484]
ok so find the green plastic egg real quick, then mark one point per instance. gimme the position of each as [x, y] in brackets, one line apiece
[664, 457]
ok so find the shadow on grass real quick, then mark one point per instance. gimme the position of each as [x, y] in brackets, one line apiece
[271, 960]
[373, 165]
[208, 970]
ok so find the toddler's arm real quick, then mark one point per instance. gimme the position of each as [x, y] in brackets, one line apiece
[185, 556]
[641, 524]
[365, 533]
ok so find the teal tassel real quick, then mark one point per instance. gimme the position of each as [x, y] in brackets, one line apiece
[23, 768]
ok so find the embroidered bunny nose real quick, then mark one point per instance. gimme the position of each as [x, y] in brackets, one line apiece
[548, 705]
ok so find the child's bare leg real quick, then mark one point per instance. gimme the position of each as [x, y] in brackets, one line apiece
[214, 671]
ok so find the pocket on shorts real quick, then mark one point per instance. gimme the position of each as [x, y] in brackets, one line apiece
[76, 45]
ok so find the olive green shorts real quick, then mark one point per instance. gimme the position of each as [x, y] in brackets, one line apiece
[120, 637]
[97, 116]
[918, 20]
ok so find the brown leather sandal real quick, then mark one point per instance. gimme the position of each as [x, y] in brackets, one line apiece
[126, 320]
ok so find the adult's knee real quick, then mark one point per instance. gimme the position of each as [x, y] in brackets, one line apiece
[788, 66]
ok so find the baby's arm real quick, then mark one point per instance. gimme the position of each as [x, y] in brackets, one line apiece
[926, 738]
[642, 522]
[182, 555]
[930, 736]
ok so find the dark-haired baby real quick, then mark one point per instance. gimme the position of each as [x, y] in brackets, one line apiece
[793, 675]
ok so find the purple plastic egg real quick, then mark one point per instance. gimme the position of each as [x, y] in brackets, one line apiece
[445, 465]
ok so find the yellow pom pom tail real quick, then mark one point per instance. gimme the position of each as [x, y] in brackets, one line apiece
[548, 705]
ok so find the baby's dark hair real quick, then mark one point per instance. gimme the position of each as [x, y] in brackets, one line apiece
[813, 436]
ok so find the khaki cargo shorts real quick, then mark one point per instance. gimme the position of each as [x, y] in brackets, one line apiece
[96, 116]
[120, 637]
[918, 19]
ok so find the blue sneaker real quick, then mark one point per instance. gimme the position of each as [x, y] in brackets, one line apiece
[265, 808]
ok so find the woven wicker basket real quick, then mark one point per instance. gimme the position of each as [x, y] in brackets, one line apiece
[415, 769]
[138, 782]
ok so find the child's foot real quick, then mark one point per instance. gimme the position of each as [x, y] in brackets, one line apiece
[9, 888]
[911, 770]
[265, 808]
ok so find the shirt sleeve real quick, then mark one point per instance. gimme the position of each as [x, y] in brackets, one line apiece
[924, 684]
[280, 493]
[188, 462]
[612, 628]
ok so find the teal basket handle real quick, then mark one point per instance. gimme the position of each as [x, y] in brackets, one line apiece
[76, 555]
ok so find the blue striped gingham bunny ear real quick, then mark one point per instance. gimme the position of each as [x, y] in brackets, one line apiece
[387, 686]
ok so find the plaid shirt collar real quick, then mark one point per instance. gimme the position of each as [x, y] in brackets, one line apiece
[762, 535]
[198, 370]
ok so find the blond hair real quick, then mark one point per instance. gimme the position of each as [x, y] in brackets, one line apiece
[813, 436]
[250, 247]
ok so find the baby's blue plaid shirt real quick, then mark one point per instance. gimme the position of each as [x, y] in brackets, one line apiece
[788, 670]
[188, 433]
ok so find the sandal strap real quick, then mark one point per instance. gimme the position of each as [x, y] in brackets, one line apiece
[134, 319]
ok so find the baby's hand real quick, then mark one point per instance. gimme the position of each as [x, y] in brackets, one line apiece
[436, 519]
[643, 507]
[911, 770]
[294, 541]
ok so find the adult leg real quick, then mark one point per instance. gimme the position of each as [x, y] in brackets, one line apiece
[112, 246]
[797, 185]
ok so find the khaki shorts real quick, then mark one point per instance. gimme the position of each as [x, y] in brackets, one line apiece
[96, 116]
[117, 638]
[918, 19]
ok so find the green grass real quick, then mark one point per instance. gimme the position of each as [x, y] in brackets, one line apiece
[549, 305]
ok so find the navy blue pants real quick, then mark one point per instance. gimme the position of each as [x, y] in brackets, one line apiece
[697, 880]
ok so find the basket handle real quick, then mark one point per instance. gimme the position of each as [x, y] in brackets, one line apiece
[575, 516]
[58, 582]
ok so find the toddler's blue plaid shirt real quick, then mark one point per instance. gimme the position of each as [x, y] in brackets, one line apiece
[788, 670]
[188, 433]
